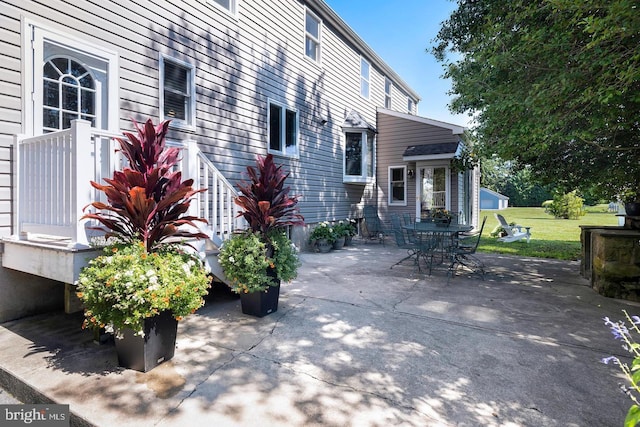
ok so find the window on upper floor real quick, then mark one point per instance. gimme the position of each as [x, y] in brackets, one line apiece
[177, 92]
[283, 130]
[359, 156]
[228, 5]
[397, 185]
[387, 93]
[313, 26]
[409, 105]
[365, 70]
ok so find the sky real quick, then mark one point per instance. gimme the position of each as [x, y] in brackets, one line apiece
[401, 33]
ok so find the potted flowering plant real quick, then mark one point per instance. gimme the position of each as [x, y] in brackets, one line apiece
[256, 261]
[441, 216]
[322, 236]
[341, 231]
[127, 285]
[144, 284]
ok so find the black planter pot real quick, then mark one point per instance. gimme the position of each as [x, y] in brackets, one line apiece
[632, 208]
[145, 353]
[260, 304]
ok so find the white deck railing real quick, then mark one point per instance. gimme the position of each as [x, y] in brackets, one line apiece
[53, 186]
[216, 205]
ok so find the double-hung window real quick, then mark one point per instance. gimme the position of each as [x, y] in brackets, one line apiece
[398, 185]
[387, 93]
[283, 130]
[313, 27]
[359, 156]
[365, 71]
[177, 92]
[409, 105]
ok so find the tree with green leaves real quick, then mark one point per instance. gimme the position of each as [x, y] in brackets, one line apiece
[554, 84]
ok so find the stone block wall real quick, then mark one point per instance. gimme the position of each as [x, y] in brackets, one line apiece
[615, 263]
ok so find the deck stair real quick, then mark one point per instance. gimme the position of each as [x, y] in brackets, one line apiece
[53, 174]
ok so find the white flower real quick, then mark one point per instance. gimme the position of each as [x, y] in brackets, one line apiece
[151, 272]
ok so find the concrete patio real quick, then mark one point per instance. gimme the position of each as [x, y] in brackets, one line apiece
[353, 343]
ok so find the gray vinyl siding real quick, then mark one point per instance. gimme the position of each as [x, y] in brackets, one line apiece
[395, 135]
[10, 108]
[241, 63]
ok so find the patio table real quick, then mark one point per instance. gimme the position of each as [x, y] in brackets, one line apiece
[440, 239]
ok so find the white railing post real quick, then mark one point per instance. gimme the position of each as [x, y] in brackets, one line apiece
[191, 170]
[81, 168]
[17, 227]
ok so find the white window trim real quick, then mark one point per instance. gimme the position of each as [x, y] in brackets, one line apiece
[447, 182]
[233, 11]
[30, 73]
[283, 128]
[318, 60]
[364, 178]
[368, 79]
[406, 182]
[410, 105]
[176, 123]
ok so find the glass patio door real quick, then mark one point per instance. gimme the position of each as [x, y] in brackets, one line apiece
[433, 189]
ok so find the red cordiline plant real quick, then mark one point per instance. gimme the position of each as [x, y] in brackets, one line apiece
[147, 201]
[265, 200]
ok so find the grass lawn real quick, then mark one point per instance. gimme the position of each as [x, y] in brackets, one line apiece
[550, 237]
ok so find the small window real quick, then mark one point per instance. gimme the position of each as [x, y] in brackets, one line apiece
[409, 105]
[177, 100]
[387, 93]
[312, 37]
[364, 78]
[397, 185]
[359, 157]
[228, 5]
[283, 130]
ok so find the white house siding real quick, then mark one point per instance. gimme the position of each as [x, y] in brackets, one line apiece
[241, 62]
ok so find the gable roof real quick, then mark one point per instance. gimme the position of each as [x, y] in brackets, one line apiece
[493, 193]
[355, 120]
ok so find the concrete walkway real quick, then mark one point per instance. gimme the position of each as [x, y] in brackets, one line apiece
[353, 343]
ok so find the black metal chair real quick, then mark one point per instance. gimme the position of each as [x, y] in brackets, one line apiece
[372, 226]
[413, 251]
[463, 254]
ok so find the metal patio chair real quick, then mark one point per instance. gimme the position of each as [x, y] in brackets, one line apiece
[463, 254]
[372, 226]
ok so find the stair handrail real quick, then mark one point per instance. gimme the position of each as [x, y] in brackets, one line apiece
[216, 205]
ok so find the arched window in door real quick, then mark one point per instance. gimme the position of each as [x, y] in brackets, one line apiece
[69, 93]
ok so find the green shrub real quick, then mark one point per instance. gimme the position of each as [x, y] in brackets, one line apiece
[567, 206]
